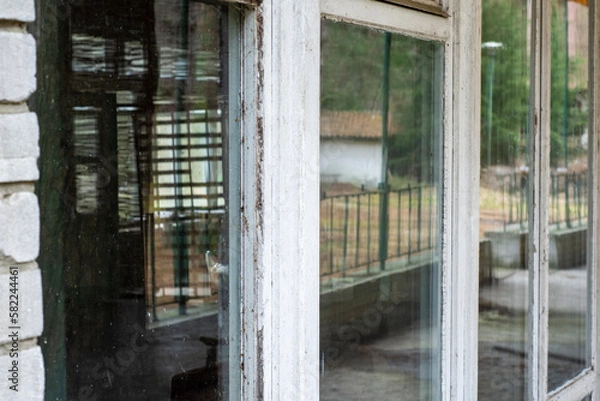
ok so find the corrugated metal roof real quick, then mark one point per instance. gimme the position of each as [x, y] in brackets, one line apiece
[351, 124]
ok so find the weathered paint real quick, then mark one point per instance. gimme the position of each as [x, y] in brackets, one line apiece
[279, 244]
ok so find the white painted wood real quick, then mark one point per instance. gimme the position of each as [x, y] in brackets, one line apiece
[576, 389]
[539, 178]
[431, 6]
[448, 214]
[462, 288]
[593, 248]
[280, 201]
[389, 17]
[234, 201]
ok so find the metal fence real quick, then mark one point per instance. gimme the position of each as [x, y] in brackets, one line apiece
[568, 200]
[175, 261]
[363, 230]
[366, 228]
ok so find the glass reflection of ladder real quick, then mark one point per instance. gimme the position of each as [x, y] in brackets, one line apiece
[187, 194]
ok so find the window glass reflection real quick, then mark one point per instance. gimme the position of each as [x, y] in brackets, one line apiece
[380, 215]
[504, 186]
[568, 276]
[137, 256]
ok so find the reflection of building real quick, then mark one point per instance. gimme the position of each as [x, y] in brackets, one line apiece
[351, 147]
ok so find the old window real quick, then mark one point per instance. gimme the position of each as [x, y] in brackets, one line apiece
[188, 245]
[136, 119]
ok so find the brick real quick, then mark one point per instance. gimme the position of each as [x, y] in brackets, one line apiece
[30, 312]
[19, 227]
[19, 149]
[18, 170]
[17, 66]
[19, 135]
[31, 376]
[17, 10]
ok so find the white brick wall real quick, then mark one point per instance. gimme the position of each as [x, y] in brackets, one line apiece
[17, 66]
[30, 302]
[31, 382]
[25, 144]
[19, 148]
[19, 228]
[19, 211]
[17, 10]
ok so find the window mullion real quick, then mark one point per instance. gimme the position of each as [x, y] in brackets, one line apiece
[460, 279]
[280, 194]
[594, 203]
[539, 173]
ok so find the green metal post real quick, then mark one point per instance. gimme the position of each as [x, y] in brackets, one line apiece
[430, 225]
[419, 217]
[490, 108]
[399, 249]
[357, 252]
[579, 198]
[384, 197]
[409, 221]
[369, 232]
[345, 235]
[331, 236]
[491, 46]
[181, 259]
[566, 89]
[567, 203]
[152, 239]
[553, 203]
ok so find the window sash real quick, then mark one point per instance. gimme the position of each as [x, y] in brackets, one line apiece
[587, 381]
[436, 7]
[279, 344]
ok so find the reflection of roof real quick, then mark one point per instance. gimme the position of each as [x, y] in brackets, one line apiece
[351, 124]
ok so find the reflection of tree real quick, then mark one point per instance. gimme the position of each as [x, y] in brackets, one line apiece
[568, 89]
[352, 69]
[507, 21]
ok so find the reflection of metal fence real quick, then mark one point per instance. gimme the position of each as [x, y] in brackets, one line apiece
[568, 200]
[352, 236]
[164, 243]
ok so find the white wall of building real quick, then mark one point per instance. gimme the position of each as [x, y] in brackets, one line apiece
[351, 161]
[20, 355]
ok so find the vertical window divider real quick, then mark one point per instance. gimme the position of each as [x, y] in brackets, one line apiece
[539, 173]
[234, 195]
[279, 246]
[460, 286]
[594, 197]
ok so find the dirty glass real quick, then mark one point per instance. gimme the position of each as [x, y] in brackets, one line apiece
[568, 275]
[505, 180]
[380, 219]
[134, 112]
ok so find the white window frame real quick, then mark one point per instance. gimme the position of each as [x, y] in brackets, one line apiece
[588, 381]
[280, 201]
[279, 248]
[280, 195]
[460, 212]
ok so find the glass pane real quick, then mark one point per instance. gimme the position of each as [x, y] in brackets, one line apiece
[380, 215]
[503, 275]
[134, 127]
[568, 280]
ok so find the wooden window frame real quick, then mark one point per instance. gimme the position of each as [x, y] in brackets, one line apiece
[279, 148]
